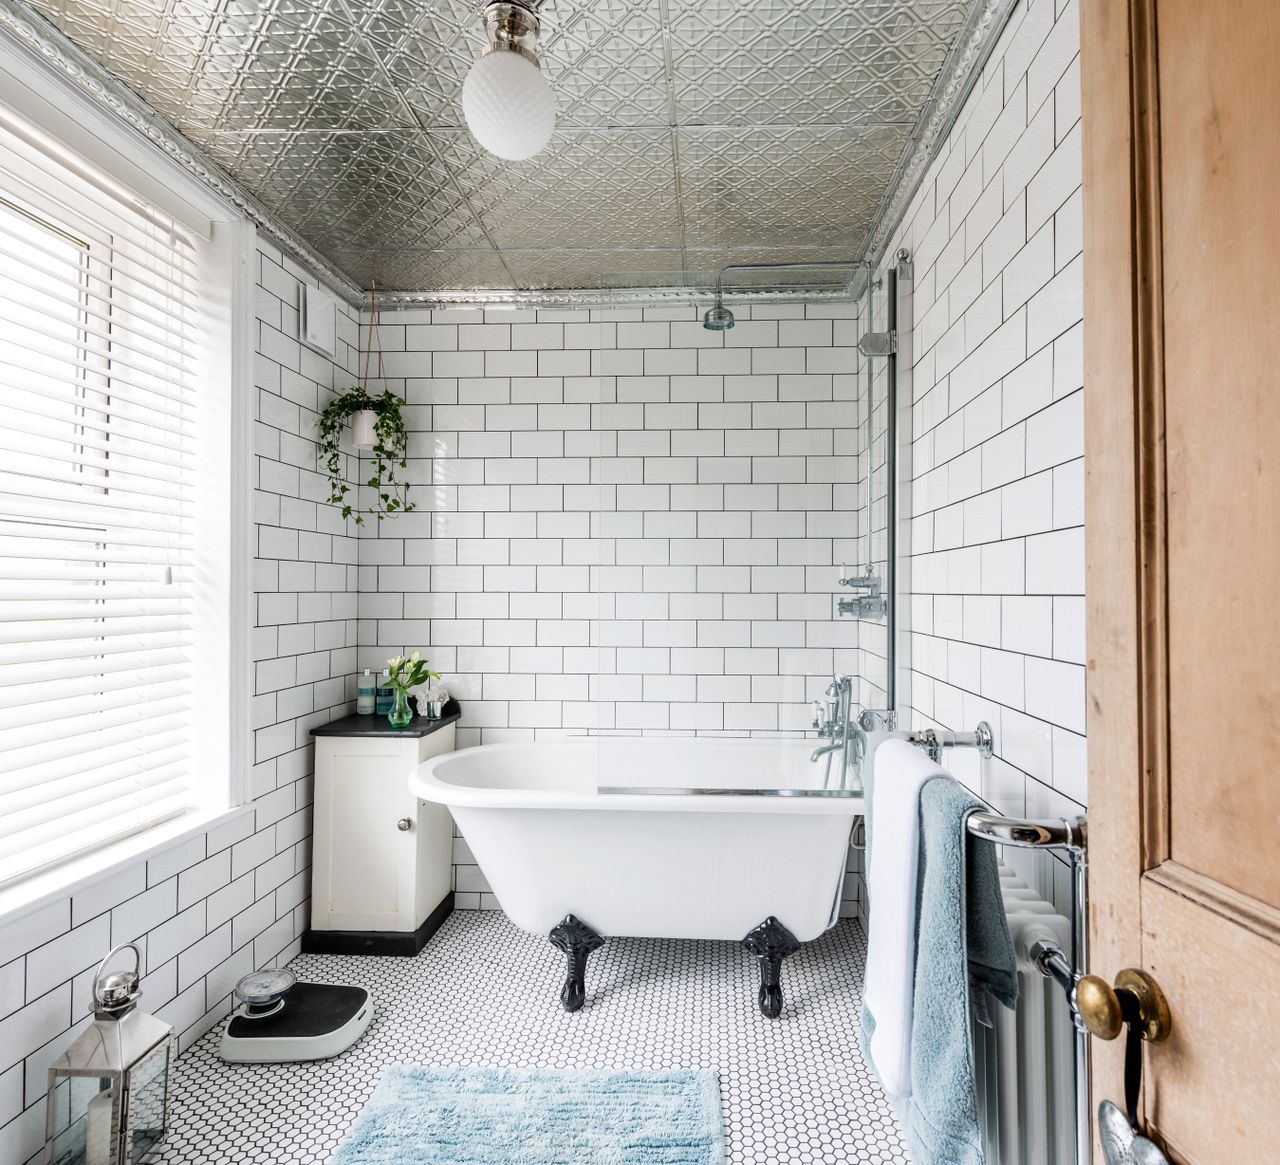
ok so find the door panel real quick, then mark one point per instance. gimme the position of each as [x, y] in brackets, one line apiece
[1181, 119]
[1214, 1081]
[1220, 161]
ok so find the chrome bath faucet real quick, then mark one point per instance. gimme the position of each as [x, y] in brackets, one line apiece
[834, 721]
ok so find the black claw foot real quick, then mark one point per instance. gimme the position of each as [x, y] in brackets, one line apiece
[577, 940]
[771, 942]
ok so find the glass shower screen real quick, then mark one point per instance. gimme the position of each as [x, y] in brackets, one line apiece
[727, 495]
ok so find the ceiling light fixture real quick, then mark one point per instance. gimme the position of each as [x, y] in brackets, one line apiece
[509, 105]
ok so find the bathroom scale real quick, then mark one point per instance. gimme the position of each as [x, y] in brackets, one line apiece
[279, 1020]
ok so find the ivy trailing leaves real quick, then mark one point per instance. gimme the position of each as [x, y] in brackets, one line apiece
[388, 456]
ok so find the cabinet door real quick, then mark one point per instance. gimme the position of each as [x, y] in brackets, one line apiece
[364, 864]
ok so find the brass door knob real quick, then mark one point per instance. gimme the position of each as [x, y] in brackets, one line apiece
[1136, 998]
[1099, 1007]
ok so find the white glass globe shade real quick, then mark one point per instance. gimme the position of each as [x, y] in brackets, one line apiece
[509, 106]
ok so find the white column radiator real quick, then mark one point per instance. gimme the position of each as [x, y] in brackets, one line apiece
[1025, 1062]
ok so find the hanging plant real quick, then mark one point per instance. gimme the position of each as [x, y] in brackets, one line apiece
[378, 425]
[387, 455]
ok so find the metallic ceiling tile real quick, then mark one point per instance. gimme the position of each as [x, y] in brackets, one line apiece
[425, 49]
[540, 269]
[761, 62]
[691, 132]
[363, 189]
[588, 188]
[784, 187]
[265, 64]
[606, 61]
[402, 269]
[273, 165]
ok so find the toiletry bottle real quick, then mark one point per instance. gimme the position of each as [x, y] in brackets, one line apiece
[365, 704]
[386, 694]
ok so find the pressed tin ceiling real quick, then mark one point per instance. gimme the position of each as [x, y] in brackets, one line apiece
[692, 133]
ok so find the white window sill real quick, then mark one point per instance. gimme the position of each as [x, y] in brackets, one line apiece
[64, 880]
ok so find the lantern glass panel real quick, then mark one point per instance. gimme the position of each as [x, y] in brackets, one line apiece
[82, 1121]
[148, 1102]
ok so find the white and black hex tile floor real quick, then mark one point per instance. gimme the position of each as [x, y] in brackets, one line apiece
[794, 1091]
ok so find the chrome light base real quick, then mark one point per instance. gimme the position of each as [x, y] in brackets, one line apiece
[512, 26]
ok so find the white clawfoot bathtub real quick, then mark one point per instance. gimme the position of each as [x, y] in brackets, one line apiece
[661, 863]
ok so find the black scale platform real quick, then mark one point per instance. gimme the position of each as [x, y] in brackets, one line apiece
[311, 1009]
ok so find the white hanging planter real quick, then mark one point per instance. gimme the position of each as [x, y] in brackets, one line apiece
[362, 429]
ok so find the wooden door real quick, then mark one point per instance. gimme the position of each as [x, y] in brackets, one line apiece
[1181, 121]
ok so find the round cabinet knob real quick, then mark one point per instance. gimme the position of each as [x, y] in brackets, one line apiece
[404, 824]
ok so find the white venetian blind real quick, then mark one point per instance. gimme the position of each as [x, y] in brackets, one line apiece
[98, 590]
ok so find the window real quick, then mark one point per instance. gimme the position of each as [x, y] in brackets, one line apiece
[114, 552]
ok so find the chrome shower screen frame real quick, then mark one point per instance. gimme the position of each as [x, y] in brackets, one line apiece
[886, 331]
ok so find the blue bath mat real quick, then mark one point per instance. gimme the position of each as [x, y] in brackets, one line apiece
[510, 1116]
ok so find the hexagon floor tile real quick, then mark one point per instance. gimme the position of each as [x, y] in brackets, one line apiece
[794, 1091]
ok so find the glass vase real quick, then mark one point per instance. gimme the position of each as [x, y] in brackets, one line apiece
[400, 713]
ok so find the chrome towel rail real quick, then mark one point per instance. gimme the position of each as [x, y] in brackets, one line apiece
[1064, 833]
[933, 742]
[1067, 833]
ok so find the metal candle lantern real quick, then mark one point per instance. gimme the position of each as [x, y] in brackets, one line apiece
[109, 1092]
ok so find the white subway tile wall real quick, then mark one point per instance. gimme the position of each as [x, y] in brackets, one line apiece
[997, 542]
[234, 898]
[625, 523]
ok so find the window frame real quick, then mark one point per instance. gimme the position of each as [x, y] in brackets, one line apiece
[227, 257]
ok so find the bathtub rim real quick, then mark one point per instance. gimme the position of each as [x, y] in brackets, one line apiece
[424, 783]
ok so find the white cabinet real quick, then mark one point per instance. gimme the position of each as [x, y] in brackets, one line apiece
[381, 861]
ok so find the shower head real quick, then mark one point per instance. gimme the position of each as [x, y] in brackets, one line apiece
[718, 318]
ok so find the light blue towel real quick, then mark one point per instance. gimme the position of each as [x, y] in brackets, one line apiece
[962, 943]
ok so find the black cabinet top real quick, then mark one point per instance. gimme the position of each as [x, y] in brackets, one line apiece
[376, 724]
